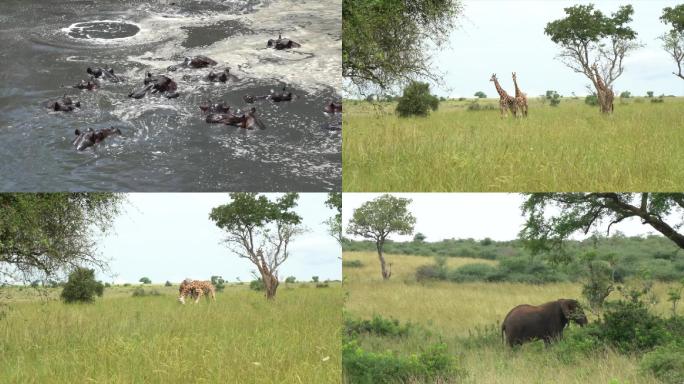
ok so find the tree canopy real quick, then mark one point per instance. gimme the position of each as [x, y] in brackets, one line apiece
[588, 37]
[384, 42]
[673, 40]
[260, 230]
[47, 233]
[546, 229]
[379, 218]
[334, 223]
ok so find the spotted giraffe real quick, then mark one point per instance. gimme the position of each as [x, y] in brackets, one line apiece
[605, 93]
[506, 102]
[520, 96]
[195, 289]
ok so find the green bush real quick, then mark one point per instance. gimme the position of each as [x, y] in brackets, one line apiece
[630, 327]
[314, 279]
[475, 106]
[168, 284]
[435, 364]
[291, 280]
[436, 271]
[625, 95]
[141, 292]
[218, 283]
[352, 263]
[591, 100]
[82, 286]
[145, 280]
[322, 285]
[666, 362]
[417, 100]
[480, 95]
[257, 285]
[472, 272]
[378, 326]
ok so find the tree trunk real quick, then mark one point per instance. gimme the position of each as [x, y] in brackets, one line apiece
[270, 284]
[386, 273]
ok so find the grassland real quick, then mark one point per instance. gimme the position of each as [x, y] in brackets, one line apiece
[241, 338]
[467, 317]
[566, 148]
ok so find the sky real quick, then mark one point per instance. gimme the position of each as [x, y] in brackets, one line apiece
[168, 236]
[501, 37]
[469, 215]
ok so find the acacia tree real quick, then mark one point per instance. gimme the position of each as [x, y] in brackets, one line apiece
[577, 212]
[48, 233]
[673, 40]
[587, 37]
[260, 230]
[379, 218]
[384, 42]
[334, 223]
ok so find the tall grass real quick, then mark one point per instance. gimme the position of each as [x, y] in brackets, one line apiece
[467, 317]
[566, 148]
[241, 338]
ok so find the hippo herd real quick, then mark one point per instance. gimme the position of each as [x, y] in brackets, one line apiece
[218, 113]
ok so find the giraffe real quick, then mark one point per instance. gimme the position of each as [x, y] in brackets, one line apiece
[506, 102]
[605, 93]
[520, 96]
[195, 289]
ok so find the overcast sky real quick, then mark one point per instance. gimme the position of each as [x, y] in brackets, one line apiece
[468, 215]
[168, 236]
[502, 36]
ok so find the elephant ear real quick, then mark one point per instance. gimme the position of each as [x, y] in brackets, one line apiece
[567, 306]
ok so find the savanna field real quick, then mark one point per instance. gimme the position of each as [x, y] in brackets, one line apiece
[571, 147]
[467, 316]
[241, 338]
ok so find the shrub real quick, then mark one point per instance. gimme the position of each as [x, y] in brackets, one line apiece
[666, 363]
[314, 279]
[659, 99]
[141, 292]
[472, 272]
[475, 106]
[591, 100]
[435, 364]
[291, 280]
[218, 283]
[107, 285]
[436, 271]
[625, 95]
[417, 100]
[82, 286]
[145, 280]
[168, 284]
[630, 327]
[649, 94]
[480, 95]
[463, 98]
[378, 326]
[553, 97]
[322, 285]
[257, 285]
[352, 263]
[127, 284]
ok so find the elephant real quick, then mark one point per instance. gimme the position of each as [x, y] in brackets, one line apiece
[545, 322]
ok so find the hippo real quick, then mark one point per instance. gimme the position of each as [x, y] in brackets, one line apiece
[90, 84]
[214, 108]
[281, 43]
[161, 84]
[333, 108]
[223, 77]
[273, 96]
[91, 137]
[65, 104]
[194, 62]
[247, 120]
[105, 73]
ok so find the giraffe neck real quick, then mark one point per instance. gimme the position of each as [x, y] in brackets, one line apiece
[500, 90]
[517, 90]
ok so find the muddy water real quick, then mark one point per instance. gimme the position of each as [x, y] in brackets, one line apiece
[166, 145]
